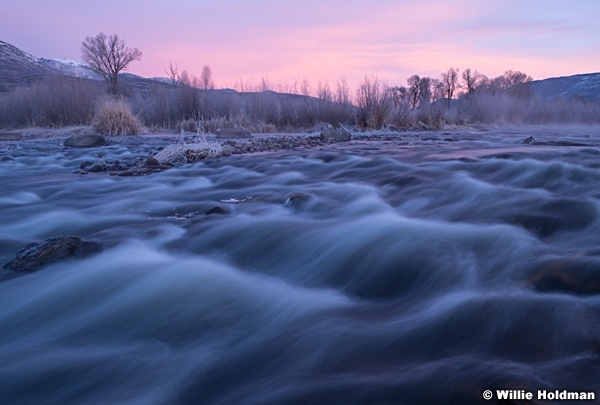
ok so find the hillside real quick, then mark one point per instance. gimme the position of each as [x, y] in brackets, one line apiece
[18, 68]
[586, 86]
[69, 67]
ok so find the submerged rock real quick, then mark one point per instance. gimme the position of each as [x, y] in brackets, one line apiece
[528, 141]
[36, 255]
[217, 211]
[85, 141]
[296, 199]
[580, 276]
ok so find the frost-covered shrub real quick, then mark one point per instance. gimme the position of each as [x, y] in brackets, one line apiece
[187, 152]
[114, 117]
[373, 103]
[54, 101]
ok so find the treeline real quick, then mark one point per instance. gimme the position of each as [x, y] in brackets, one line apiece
[189, 103]
[467, 98]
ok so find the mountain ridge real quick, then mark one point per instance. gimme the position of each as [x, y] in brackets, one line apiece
[584, 85]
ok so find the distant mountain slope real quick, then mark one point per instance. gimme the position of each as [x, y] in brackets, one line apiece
[18, 68]
[69, 67]
[585, 85]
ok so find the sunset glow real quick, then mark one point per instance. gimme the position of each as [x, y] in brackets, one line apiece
[320, 40]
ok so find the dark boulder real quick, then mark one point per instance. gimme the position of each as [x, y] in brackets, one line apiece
[296, 199]
[528, 141]
[335, 134]
[151, 161]
[580, 276]
[217, 211]
[85, 141]
[85, 165]
[36, 255]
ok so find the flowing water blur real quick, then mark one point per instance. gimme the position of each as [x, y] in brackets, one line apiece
[373, 273]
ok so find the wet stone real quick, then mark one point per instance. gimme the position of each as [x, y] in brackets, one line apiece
[217, 211]
[529, 141]
[36, 255]
[85, 141]
[152, 162]
[296, 199]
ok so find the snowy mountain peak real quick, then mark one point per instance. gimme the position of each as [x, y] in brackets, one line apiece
[70, 67]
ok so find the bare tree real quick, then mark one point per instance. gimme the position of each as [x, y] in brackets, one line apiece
[305, 88]
[324, 91]
[206, 80]
[419, 91]
[425, 91]
[513, 78]
[373, 102]
[109, 55]
[471, 80]
[438, 90]
[173, 72]
[449, 81]
[414, 90]
[400, 96]
[516, 84]
[342, 91]
[264, 85]
[188, 100]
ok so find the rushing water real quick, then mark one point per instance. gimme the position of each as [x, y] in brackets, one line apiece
[369, 273]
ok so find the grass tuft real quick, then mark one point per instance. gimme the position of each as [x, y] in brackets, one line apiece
[114, 117]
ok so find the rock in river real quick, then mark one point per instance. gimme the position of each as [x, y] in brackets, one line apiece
[335, 134]
[85, 141]
[36, 255]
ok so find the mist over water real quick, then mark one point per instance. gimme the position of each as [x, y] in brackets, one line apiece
[373, 272]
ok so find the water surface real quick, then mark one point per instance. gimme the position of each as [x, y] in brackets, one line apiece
[376, 272]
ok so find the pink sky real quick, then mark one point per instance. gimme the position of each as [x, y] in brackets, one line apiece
[320, 39]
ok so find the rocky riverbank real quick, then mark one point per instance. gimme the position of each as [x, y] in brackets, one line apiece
[191, 149]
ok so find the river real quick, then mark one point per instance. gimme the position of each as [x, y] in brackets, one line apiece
[418, 270]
